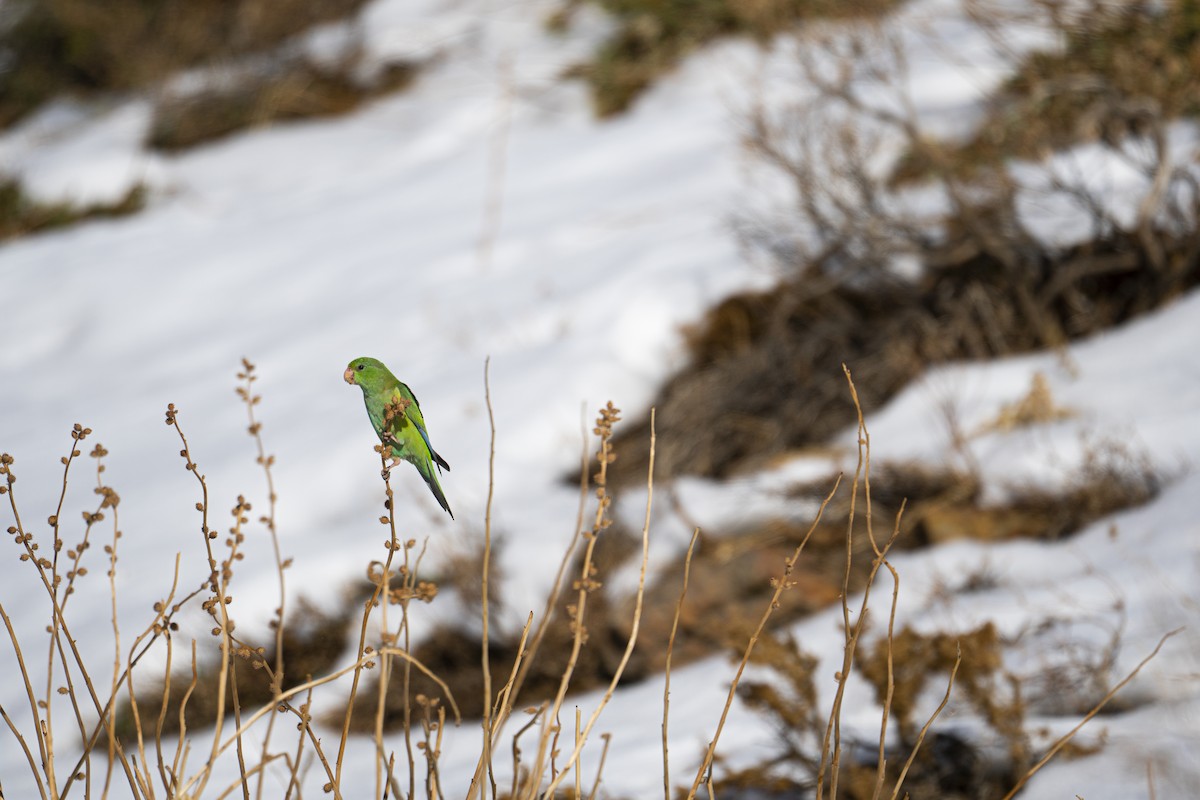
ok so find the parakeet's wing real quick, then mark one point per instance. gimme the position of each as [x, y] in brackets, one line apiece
[418, 420]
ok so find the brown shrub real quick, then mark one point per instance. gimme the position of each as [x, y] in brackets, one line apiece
[653, 36]
[295, 89]
[21, 215]
[1121, 68]
[765, 377]
[312, 643]
[58, 47]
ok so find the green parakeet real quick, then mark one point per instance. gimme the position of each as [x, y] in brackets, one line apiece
[396, 416]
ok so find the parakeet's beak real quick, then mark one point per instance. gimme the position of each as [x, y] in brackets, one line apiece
[349, 375]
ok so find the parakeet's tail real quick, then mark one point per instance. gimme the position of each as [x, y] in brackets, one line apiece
[441, 462]
[431, 480]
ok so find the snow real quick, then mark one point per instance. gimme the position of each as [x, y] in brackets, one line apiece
[303, 246]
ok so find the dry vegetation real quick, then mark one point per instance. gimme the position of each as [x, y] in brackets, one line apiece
[766, 378]
[57, 48]
[293, 88]
[1121, 70]
[21, 215]
[168, 739]
[653, 36]
[985, 286]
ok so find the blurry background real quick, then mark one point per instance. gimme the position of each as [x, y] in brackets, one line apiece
[986, 210]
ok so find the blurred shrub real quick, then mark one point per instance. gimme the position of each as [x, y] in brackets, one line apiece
[54, 47]
[653, 36]
[20, 214]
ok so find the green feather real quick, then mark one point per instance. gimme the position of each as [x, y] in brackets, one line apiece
[405, 433]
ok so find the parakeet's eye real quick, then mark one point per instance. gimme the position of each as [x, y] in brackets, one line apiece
[360, 367]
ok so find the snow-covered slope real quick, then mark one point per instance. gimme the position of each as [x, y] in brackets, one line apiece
[306, 245]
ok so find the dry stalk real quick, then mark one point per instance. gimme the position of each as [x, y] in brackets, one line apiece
[486, 755]
[925, 728]
[219, 601]
[687, 571]
[1061, 742]
[33, 765]
[584, 585]
[58, 628]
[363, 651]
[266, 461]
[637, 612]
[607, 738]
[579, 746]
[831, 756]
[704, 772]
[534, 715]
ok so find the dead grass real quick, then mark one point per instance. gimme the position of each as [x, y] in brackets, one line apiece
[453, 652]
[73, 47]
[160, 739]
[731, 570]
[761, 362]
[313, 643]
[762, 377]
[1121, 67]
[21, 215]
[294, 89]
[653, 36]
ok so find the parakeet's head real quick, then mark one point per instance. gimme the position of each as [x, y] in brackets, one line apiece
[365, 372]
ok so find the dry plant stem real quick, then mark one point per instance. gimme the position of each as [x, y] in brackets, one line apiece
[237, 721]
[585, 581]
[607, 737]
[881, 767]
[243, 779]
[781, 584]
[687, 571]
[637, 615]
[925, 728]
[59, 624]
[503, 706]
[75, 570]
[578, 745]
[414, 661]
[116, 628]
[502, 709]
[156, 628]
[410, 582]
[266, 462]
[1062, 740]
[391, 786]
[29, 694]
[852, 632]
[880, 558]
[385, 661]
[168, 783]
[306, 686]
[47, 720]
[516, 750]
[487, 561]
[374, 599]
[28, 755]
[179, 763]
[200, 780]
[294, 779]
[33, 765]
